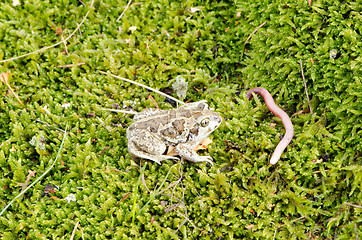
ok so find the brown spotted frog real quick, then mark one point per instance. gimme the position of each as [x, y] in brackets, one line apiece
[154, 130]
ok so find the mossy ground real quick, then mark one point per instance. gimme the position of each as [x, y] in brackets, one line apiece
[314, 192]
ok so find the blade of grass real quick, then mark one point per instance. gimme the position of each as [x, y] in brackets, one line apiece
[135, 195]
[156, 192]
[144, 86]
[39, 178]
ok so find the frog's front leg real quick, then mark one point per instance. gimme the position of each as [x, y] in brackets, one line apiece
[185, 151]
[143, 144]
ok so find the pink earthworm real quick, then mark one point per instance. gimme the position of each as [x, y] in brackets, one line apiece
[269, 101]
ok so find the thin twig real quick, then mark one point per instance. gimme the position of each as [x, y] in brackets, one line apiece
[104, 125]
[24, 185]
[82, 2]
[65, 44]
[135, 194]
[56, 44]
[188, 220]
[297, 219]
[155, 194]
[4, 78]
[129, 3]
[144, 86]
[143, 178]
[305, 87]
[49, 125]
[73, 233]
[71, 65]
[353, 205]
[261, 25]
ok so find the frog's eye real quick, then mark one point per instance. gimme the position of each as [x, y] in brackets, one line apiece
[205, 122]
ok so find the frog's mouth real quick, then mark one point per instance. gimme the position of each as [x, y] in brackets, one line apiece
[215, 123]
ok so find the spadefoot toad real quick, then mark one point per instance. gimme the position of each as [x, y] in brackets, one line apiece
[184, 128]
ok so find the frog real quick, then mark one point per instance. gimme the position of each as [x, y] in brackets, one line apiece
[153, 131]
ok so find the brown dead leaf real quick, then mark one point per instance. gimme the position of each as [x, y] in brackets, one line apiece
[171, 151]
[249, 226]
[153, 100]
[58, 31]
[203, 145]
[298, 113]
[125, 196]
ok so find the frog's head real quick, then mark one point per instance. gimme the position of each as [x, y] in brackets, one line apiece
[204, 125]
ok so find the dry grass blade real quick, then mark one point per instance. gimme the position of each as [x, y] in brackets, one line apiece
[305, 87]
[56, 44]
[261, 25]
[70, 65]
[4, 78]
[144, 86]
[129, 3]
[73, 233]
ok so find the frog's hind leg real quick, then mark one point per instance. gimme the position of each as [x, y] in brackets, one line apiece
[136, 153]
[146, 145]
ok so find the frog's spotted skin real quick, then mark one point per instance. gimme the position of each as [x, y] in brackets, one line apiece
[184, 128]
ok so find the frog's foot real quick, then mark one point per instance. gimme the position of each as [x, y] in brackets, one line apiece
[155, 158]
[202, 159]
[185, 151]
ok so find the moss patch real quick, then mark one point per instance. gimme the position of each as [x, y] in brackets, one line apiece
[313, 192]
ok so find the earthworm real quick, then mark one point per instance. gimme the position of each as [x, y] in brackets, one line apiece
[269, 101]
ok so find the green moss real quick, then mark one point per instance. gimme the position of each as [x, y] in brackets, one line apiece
[313, 192]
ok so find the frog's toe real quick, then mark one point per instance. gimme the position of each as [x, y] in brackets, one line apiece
[160, 158]
[202, 159]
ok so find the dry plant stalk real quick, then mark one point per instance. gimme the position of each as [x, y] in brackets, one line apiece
[129, 3]
[305, 87]
[4, 78]
[255, 31]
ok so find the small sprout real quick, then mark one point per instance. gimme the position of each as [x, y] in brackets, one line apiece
[180, 87]
[70, 198]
